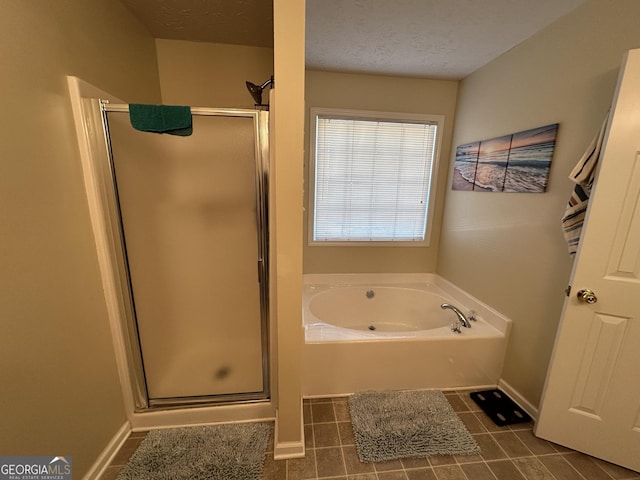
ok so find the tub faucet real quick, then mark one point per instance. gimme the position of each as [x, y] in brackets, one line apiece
[463, 320]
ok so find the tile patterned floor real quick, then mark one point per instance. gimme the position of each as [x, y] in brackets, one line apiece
[508, 453]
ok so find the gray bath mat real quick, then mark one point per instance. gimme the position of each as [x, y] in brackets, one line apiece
[213, 452]
[408, 424]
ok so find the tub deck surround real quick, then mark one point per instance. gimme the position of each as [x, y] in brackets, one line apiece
[412, 346]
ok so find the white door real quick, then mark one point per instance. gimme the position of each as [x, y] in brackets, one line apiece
[591, 401]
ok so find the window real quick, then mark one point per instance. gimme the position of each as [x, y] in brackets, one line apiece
[371, 177]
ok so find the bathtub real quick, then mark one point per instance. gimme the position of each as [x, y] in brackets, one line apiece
[388, 331]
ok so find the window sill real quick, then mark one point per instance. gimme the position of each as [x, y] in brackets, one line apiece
[411, 244]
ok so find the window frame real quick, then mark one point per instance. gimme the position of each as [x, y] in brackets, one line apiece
[431, 119]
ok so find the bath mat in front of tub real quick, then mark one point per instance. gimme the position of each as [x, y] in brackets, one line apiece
[499, 407]
[407, 424]
[211, 452]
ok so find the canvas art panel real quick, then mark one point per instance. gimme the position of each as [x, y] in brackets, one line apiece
[519, 162]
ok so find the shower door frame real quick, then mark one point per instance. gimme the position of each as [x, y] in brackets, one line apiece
[141, 399]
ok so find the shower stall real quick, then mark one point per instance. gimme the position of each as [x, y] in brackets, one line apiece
[186, 223]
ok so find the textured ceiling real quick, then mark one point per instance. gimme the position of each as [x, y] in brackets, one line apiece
[426, 38]
[239, 22]
[423, 38]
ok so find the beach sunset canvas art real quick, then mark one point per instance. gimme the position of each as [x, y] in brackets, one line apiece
[518, 163]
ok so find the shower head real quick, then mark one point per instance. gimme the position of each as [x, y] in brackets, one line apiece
[256, 90]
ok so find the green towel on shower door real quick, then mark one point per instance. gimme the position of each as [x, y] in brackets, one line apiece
[171, 119]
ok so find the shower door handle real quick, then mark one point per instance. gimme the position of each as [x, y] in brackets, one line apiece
[260, 269]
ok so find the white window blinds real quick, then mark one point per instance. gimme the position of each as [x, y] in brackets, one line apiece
[372, 179]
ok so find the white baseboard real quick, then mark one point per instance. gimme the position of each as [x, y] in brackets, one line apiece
[103, 461]
[519, 399]
[284, 450]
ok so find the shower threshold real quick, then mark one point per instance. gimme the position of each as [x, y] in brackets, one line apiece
[156, 404]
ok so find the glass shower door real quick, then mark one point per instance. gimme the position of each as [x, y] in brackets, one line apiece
[189, 213]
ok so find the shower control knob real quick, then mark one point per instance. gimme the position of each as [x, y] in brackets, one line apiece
[587, 296]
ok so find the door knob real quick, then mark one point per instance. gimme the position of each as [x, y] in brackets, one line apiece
[587, 296]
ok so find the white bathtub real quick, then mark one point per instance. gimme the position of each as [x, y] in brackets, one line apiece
[387, 331]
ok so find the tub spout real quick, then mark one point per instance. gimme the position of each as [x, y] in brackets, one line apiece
[463, 319]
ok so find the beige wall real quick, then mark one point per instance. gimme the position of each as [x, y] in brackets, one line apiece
[508, 249]
[210, 74]
[391, 94]
[286, 219]
[60, 389]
